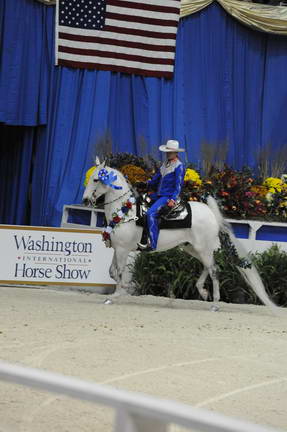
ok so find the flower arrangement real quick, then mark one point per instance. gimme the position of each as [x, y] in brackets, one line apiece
[134, 173]
[192, 176]
[119, 160]
[192, 190]
[233, 190]
[118, 217]
[238, 193]
[274, 184]
[260, 190]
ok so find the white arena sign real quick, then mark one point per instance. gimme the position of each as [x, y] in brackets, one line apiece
[53, 256]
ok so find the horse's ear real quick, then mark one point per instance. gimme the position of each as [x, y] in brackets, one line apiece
[104, 163]
[97, 161]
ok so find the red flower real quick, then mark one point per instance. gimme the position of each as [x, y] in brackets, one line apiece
[106, 236]
[116, 219]
[128, 204]
[223, 193]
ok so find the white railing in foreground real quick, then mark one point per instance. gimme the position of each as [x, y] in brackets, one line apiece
[135, 412]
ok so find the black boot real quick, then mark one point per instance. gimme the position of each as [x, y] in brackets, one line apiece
[143, 244]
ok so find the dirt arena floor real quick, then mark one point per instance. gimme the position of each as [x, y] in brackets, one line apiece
[233, 361]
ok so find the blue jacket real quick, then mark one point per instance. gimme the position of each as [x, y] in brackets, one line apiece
[169, 179]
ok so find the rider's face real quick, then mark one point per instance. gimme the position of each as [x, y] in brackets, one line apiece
[171, 155]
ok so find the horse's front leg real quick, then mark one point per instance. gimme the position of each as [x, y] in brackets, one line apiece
[121, 256]
[113, 268]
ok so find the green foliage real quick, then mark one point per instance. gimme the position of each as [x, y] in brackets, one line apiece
[174, 274]
[272, 266]
[169, 274]
[233, 288]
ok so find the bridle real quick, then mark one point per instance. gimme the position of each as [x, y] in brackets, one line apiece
[130, 190]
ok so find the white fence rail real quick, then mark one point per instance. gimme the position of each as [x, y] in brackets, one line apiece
[134, 412]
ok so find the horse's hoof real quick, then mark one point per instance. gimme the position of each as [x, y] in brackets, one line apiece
[214, 308]
[204, 293]
[120, 292]
[108, 302]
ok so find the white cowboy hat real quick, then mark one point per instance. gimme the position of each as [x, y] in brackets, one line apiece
[171, 146]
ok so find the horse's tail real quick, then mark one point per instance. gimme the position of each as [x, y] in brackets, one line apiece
[250, 275]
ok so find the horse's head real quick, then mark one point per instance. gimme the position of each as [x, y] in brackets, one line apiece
[101, 181]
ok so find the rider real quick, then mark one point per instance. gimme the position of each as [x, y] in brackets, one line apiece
[167, 182]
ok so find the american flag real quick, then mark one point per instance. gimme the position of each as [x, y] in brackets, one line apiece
[129, 36]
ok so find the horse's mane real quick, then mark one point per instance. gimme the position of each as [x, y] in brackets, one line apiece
[124, 180]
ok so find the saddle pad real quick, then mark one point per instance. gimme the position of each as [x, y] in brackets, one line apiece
[168, 224]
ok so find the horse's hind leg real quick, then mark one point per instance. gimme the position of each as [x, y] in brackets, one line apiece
[209, 264]
[212, 270]
[203, 292]
[207, 260]
[200, 284]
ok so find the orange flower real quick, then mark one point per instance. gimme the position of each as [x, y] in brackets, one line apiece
[134, 173]
[259, 190]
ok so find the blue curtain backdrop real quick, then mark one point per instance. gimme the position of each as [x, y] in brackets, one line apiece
[229, 84]
[16, 168]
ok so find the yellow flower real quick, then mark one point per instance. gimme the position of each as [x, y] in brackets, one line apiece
[273, 184]
[192, 175]
[88, 175]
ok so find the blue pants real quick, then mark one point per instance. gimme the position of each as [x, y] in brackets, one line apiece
[152, 220]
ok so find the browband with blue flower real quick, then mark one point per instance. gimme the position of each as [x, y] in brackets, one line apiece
[108, 178]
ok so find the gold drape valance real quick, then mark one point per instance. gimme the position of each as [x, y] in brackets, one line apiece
[272, 19]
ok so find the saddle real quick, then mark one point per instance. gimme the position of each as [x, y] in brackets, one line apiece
[179, 216]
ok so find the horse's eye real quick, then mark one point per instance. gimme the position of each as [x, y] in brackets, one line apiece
[96, 180]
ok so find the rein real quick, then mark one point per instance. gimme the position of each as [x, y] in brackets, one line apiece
[117, 198]
[129, 190]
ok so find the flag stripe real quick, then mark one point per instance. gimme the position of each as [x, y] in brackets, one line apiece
[143, 6]
[131, 49]
[117, 55]
[161, 39]
[167, 3]
[146, 33]
[143, 20]
[141, 26]
[110, 41]
[115, 68]
[120, 62]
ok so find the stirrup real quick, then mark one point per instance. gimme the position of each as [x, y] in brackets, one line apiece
[144, 247]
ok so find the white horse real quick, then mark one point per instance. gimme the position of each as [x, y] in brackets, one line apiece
[200, 241]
